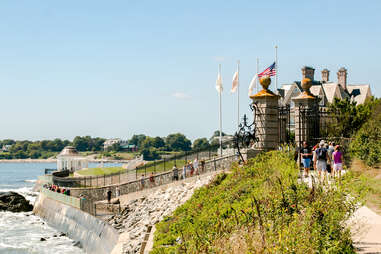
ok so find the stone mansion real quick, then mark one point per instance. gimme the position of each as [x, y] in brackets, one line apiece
[325, 89]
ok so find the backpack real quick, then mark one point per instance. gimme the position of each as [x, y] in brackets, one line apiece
[321, 153]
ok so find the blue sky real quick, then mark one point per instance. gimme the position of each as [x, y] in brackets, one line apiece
[118, 68]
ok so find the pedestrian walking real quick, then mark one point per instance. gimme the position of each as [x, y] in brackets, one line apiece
[195, 166]
[152, 179]
[191, 169]
[338, 160]
[203, 165]
[117, 191]
[109, 194]
[184, 171]
[175, 172]
[321, 159]
[306, 154]
[142, 182]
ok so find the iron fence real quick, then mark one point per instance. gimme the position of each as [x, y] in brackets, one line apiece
[155, 167]
[91, 205]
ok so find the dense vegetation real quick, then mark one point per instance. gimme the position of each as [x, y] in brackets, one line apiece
[366, 143]
[261, 208]
[347, 117]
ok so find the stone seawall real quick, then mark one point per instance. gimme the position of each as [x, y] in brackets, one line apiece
[95, 236]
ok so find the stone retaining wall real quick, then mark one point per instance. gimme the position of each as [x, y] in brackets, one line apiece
[95, 236]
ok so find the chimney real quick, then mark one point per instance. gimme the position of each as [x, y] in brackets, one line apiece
[308, 72]
[342, 77]
[325, 76]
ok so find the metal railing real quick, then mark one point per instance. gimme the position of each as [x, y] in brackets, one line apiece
[97, 194]
[45, 179]
[68, 200]
[129, 175]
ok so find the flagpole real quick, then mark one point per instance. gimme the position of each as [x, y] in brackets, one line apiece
[219, 71]
[238, 92]
[256, 82]
[276, 68]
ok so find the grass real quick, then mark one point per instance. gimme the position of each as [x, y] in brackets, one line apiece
[151, 167]
[99, 171]
[371, 179]
[261, 208]
[160, 166]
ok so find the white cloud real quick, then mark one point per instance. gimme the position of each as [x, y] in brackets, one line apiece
[180, 95]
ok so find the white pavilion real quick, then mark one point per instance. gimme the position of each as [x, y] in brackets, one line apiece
[70, 159]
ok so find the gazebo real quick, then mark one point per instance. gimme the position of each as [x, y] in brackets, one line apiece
[70, 159]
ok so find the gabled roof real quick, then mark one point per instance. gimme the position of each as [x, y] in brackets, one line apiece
[365, 92]
[293, 91]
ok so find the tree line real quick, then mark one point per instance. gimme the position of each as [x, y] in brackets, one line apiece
[150, 147]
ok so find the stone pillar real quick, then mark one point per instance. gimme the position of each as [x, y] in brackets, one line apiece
[266, 117]
[305, 118]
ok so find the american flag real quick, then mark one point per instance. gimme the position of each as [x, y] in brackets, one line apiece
[270, 71]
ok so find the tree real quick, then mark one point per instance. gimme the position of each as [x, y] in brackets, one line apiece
[150, 154]
[217, 134]
[178, 142]
[158, 142]
[81, 143]
[201, 144]
[347, 117]
[115, 147]
[137, 139]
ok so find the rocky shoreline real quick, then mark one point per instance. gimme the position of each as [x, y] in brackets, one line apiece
[14, 202]
[139, 215]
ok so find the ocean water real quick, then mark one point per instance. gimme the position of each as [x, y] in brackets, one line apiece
[20, 233]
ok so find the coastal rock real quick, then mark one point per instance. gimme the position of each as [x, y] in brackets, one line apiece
[14, 202]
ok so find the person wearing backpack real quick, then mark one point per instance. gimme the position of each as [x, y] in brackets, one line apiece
[321, 159]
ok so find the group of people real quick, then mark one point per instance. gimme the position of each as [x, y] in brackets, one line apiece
[324, 157]
[57, 189]
[189, 169]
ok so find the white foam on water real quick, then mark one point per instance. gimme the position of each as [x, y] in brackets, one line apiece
[21, 233]
[25, 191]
[30, 180]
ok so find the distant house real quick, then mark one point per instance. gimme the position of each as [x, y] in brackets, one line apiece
[326, 90]
[129, 148]
[5, 148]
[110, 142]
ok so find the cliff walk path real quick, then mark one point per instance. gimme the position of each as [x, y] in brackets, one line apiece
[365, 226]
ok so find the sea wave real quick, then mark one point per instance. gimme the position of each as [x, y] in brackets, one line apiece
[30, 181]
[27, 192]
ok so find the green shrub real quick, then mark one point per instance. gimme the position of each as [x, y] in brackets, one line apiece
[261, 207]
[366, 144]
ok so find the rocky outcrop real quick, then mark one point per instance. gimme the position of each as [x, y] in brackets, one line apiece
[139, 215]
[14, 202]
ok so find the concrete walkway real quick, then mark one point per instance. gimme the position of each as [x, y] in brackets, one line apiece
[366, 231]
[365, 227]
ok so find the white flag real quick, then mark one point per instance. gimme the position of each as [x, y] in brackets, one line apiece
[235, 82]
[253, 84]
[219, 83]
